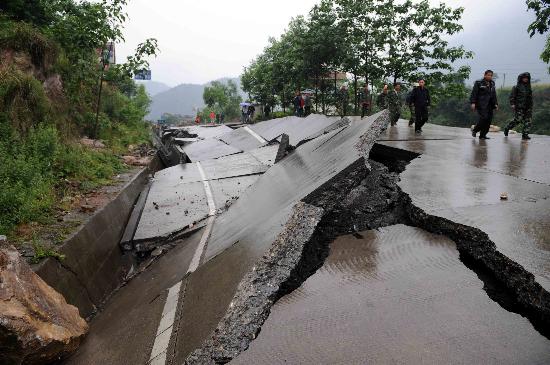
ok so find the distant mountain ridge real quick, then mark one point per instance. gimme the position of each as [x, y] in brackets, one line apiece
[183, 99]
[154, 87]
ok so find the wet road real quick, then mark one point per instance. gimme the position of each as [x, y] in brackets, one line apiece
[397, 295]
[408, 297]
[462, 180]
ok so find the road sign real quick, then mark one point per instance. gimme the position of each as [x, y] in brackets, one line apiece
[143, 75]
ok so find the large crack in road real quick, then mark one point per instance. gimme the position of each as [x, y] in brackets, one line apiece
[364, 196]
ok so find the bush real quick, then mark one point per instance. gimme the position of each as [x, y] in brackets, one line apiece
[26, 175]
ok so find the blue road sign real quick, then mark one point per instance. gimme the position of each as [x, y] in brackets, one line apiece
[143, 75]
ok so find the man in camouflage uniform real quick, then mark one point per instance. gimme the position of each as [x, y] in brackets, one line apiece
[521, 100]
[366, 101]
[411, 105]
[394, 103]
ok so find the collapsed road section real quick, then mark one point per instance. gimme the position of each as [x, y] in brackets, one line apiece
[331, 248]
[360, 199]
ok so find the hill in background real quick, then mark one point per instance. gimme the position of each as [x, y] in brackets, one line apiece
[183, 99]
[153, 87]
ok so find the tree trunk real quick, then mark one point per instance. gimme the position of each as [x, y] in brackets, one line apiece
[316, 93]
[355, 92]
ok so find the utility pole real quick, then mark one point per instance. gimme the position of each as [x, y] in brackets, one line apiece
[504, 81]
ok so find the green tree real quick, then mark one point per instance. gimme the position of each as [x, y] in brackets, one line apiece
[223, 98]
[541, 23]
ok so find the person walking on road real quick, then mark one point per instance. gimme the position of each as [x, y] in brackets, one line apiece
[366, 101]
[521, 100]
[421, 100]
[394, 103]
[484, 100]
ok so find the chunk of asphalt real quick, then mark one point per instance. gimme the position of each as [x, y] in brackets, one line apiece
[259, 289]
[283, 148]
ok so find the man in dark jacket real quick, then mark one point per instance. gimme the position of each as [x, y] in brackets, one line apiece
[521, 100]
[421, 100]
[484, 100]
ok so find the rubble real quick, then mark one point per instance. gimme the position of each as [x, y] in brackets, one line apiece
[37, 326]
[92, 143]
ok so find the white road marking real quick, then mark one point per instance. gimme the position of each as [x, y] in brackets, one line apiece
[164, 331]
[208, 191]
[195, 262]
[166, 325]
[255, 135]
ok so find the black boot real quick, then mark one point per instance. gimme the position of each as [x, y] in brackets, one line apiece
[525, 137]
[484, 137]
[506, 131]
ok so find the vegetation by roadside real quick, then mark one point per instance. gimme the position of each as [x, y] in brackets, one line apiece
[52, 58]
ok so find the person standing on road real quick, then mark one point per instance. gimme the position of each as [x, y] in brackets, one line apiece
[381, 99]
[250, 113]
[308, 103]
[297, 102]
[521, 100]
[484, 100]
[421, 101]
[366, 101]
[411, 105]
[394, 103]
[344, 100]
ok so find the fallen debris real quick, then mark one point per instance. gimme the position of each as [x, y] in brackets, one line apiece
[37, 325]
[92, 143]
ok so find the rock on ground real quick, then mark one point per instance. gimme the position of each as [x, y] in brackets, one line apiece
[37, 326]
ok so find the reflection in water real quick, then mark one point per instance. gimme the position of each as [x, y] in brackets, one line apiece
[480, 156]
[515, 163]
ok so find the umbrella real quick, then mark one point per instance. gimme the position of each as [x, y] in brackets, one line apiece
[244, 104]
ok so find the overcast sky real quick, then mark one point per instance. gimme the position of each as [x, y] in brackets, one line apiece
[205, 40]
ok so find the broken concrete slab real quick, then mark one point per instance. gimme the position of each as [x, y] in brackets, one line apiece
[306, 169]
[260, 288]
[246, 231]
[265, 154]
[37, 325]
[168, 211]
[208, 149]
[408, 299]
[241, 164]
[241, 138]
[177, 200]
[227, 191]
[298, 129]
[206, 132]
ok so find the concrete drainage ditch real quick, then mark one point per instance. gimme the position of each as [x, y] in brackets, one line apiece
[365, 196]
